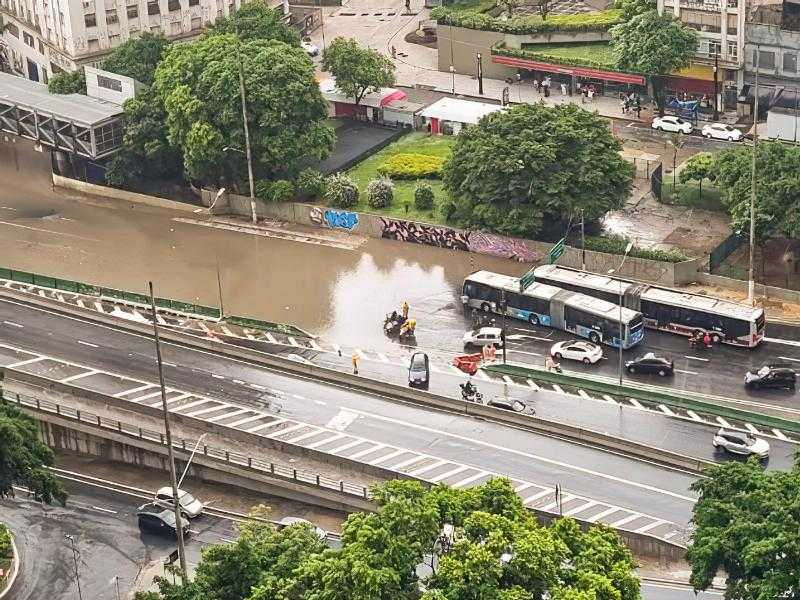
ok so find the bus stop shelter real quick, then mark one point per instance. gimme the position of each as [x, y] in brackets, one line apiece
[73, 123]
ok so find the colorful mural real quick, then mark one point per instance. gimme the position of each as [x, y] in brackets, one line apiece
[341, 219]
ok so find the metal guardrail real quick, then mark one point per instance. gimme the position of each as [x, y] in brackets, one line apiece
[217, 454]
[648, 394]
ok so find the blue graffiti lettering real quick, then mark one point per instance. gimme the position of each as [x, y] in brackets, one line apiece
[341, 219]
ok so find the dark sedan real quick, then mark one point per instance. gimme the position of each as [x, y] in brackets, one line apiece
[651, 364]
[157, 519]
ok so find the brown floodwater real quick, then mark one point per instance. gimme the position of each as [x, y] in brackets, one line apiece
[340, 293]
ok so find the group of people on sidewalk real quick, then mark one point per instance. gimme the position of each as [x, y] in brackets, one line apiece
[630, 103]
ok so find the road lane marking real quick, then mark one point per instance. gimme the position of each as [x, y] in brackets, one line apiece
[666, 410]
[28, 361]
[752, 429]
[13, 324]
[581, 508]
[609, 511]
[322, 442]
[215, 376]
[724, 423]
[693, 415]
[341, 420]
[780, 341]
[636, 403]
[584, 394]
[558, 389]
[686, 372]
[532, 384]
[450, 473]
[564, 498]
[530, 456]
[696, 358]
[628, 519]
[789, 358]
[470, 479]
[105, 510]
[779, 434]
[88, 373]
[537, 495]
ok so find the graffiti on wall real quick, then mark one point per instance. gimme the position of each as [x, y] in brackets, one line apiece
[335, 219]
[454, 239]
[428, 235]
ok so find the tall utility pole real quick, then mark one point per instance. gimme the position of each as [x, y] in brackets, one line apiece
[479, 60]
[751, 281]
[716, 85]
[242, 94]
[583, 243]
[172, 475]
[75, 555]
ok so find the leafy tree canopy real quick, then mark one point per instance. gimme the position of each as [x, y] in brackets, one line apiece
[358, 71]
[747, 524]
[68, 82]
[138, 57]
[631, 8]
[699, 166]
[198, 84]
[498, 552]
[777, 188]
[531, 163]
[256, 21]
[24, 458]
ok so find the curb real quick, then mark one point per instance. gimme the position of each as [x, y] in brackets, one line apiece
[15, 568]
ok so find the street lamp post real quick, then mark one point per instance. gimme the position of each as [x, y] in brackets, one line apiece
[751, 279]
[503, 306]
[191, 456]
[242, 95]
[628, 248]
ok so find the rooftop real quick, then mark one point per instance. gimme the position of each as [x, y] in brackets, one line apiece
[460, 111]
[68, 107]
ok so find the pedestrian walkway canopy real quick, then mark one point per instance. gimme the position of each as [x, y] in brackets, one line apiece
[74, 123]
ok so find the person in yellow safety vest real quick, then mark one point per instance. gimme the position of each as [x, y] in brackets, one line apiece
[408, 327]
[405, 310]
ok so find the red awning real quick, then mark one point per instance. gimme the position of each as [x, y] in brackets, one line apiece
[533, 65]
[395, 95]
[690, 85]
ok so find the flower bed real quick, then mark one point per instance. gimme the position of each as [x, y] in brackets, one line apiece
[529, 24]
[412, 166]
[595, 55]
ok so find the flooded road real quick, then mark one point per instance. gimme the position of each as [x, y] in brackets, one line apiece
[339, 293]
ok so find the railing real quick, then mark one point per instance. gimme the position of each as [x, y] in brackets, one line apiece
[215, 454]
[723, 250]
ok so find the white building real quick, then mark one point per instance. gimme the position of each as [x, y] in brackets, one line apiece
[720, 25]
[47, 36]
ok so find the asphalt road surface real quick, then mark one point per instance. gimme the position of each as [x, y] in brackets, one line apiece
[111, 547]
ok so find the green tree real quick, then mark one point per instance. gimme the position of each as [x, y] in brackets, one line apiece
[746, 525]
[380, 192]
[256, 21]
[699, 166]
[358, 71]
[653, 44]
[198, 84]
[777, 188]
[534, 163]
[341, 191]
[24, 458]
[424, 196]
[68, 82]
[146, 152]
[138, 57]
[310, 183]
[631, 8]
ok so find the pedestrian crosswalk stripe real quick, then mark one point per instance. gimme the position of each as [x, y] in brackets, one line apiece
[470, 479]
[538, 495]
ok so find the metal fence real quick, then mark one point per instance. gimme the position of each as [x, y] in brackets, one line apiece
[725, 248]
[655, 181]
[216, 454]
[643, 168]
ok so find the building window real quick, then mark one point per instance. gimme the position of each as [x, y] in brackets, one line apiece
[94, 45]
[153, 9]
[133, 12]
[766, 59]
[714, 48]
[790, 62]
[28, 38]
[12, 29]
[197, 23]
[733, 50]
[90, 20]
[111, 17]
[41, 45]
[109, 83]
[194, 2]
[173, 5]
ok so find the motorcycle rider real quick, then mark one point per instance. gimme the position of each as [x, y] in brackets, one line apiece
[408, 327]
[468, 389]
[707, 340]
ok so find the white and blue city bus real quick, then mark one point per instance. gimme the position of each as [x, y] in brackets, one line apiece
[666, 309]
[541, 304]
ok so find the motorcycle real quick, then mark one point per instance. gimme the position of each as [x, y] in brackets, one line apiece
[469, 393]
[392, 324]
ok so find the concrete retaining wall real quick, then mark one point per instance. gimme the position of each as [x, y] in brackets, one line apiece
[111, 193]
[740, 285]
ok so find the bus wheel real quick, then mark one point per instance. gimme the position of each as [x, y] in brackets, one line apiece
[533, 320]
[485, 307]
[594, 337]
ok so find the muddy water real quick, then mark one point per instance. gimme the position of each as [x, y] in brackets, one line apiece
[342, 294]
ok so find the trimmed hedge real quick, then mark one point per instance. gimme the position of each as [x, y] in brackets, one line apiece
[531, 24]
[424, 196]
[616, 244]
[380, 193]
[501, 50]
[5, 543]
[310, 183]
[275, 191]
[341, 191]
[412, 166]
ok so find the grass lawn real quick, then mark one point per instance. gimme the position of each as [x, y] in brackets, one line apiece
[590, 52]
[689, 194]
[479, 5]
[403, 204]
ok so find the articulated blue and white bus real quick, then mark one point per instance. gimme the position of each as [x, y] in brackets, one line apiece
[541, 304]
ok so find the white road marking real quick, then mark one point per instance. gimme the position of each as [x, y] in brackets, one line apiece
[90, 344]
[470, 479]
[261, 426]
[341, 420]
[346, 446]
[779, 341]
[523, 486]
[636, 403]
[215, 376]
[320, 402]
[686, 372]
[293, 341]
[314, 345]
[13, 324]
[209, 409]
[227, 331]
[583, 394]
[304, 436]
[430, 467]
[257, 387]
[752, 429]
[450, 473]
[235, 413]
[693, 415]
[609, 399]
[696, 358]
[28, 361]
[537, 495]
[133, 390]
[390, 456]
[383, 357]
[322, 442]
[558, 389]
[105, 510]
[723, 422]
[531, 383]
[609, 511]
[789, 358]
[88, 373]
[650, 526]
[564, 498]
[289, 429]
[373, 448]
[581, 508]
[533, 457]
[239, 381]
[779, 434]
[508, 380]
[249, 419]
[270, 337]
[628, 519]
[666, 410]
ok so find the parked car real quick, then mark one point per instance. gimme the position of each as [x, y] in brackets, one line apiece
[507, 404]
[585, 352]
[650, 364]
[157, 519]
[191, 507]
[672, 123]
[289, 521]
[419, 371]
[722, 131]
[771, 376]
[311, 49]
[484, 336]
[741, 443]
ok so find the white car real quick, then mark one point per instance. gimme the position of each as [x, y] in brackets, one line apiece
[310, 48]
[722, 131]
[484, 336]
[585, 352]
[741, 443]
[289, 521]
[191, 507]
[671, 123]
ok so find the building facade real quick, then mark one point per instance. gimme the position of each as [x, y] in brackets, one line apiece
[720, 25]
[44, 37]
[774, 31]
